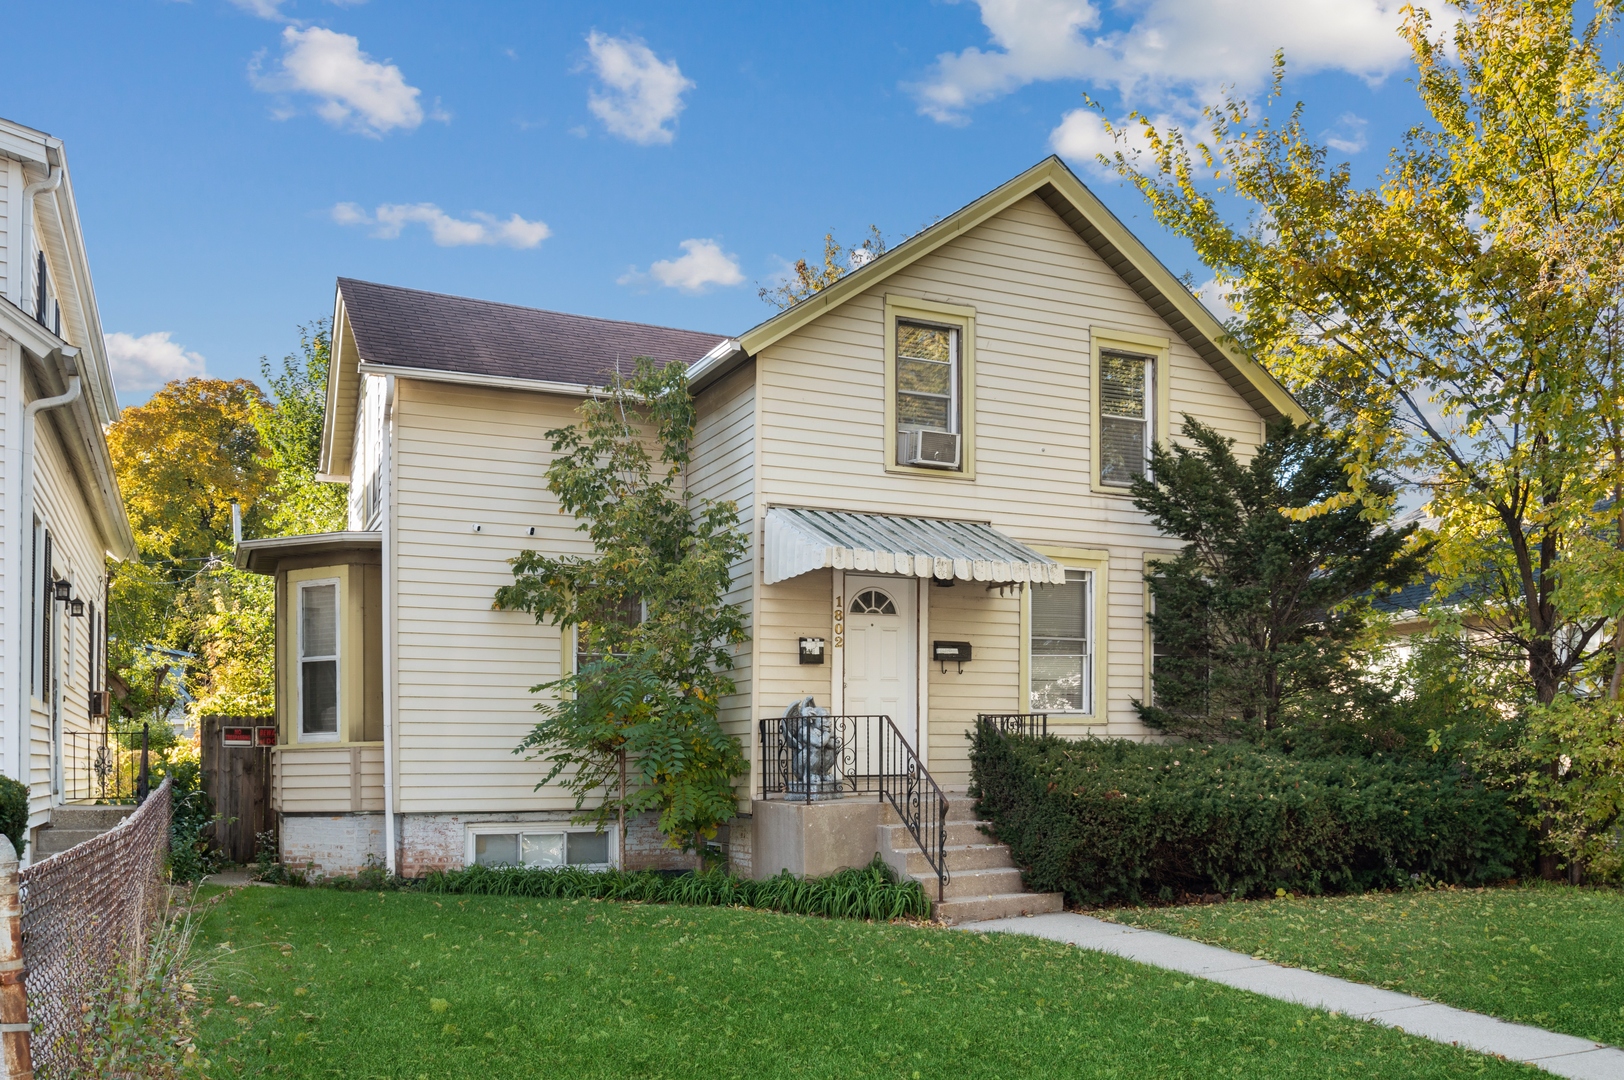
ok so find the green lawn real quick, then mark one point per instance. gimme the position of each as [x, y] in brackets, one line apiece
[1544, 954]
[316, 983]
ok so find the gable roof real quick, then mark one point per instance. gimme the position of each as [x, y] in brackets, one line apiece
[1054, 183]
[408, 328]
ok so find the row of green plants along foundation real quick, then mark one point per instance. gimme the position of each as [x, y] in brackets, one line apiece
[1118, 822]
[872, 892]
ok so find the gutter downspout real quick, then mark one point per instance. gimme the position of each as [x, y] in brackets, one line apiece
[34, 408]
[52, 181]
[387, 585]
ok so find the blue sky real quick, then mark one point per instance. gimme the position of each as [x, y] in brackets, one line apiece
[653, 162]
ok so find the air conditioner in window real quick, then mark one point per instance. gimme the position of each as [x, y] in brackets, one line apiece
[933, 449]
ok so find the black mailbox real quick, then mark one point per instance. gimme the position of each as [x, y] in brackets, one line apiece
[811, 650]
[951, 652]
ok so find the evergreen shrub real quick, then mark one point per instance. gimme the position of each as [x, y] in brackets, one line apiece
[14, 812]
[1116, 822]
[872, 892]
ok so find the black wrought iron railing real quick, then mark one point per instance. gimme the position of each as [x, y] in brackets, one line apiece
[916, 797]
[1025, 723]
[815, 757]
[108, 764]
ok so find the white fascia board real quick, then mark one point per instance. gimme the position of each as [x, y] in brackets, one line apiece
[714, 364]
[465, 378]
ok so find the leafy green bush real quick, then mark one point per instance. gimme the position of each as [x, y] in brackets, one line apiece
[872, 892]
[14, 812]
[1118, 822]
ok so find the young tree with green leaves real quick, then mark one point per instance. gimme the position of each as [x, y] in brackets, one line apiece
[1259, 618]
[635, 726]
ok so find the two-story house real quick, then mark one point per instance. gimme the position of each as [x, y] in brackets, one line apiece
[932, 458]
[61, 516]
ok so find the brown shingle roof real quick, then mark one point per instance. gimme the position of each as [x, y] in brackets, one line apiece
[415, 329]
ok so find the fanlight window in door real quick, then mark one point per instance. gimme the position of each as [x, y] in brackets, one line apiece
[873, 602]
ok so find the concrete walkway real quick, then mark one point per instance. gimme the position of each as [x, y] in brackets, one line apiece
[1564, 1055]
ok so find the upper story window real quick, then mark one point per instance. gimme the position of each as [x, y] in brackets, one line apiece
[318, 661]
[1126, 410]
[628, 614]
[930, 388]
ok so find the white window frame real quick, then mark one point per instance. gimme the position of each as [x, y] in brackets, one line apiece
[1097, 562]
[955, 371]
[299, 660]
[907, 309]
[1087, 578]
[498, 828]
[1158, 426]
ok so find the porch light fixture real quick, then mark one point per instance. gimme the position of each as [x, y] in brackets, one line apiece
[76, 608]
[61, 591]
[943, 582]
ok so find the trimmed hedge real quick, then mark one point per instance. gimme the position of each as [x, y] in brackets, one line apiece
[1119, 822]
[870, 893]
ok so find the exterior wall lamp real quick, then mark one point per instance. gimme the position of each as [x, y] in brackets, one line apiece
[61, 591]
[76, 608]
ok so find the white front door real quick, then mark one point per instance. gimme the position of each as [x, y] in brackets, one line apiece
[882, 652]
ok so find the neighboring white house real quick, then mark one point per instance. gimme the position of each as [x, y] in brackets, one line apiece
[61, 517]
[933, 453]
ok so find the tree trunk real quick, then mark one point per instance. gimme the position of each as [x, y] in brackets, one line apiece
[620, 812]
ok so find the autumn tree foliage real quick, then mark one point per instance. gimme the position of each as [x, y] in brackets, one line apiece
[1459, 321]
[197, 447]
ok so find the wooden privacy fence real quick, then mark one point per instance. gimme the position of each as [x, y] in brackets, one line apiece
[237, 778]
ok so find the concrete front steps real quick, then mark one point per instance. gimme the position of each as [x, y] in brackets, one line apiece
[983, 882]
[72, 825]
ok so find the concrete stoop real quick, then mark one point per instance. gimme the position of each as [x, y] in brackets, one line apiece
[71, 825]
[982, 879]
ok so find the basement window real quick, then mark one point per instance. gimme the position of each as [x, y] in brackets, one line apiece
[497, 847]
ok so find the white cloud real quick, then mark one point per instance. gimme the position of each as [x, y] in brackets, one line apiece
[702, 264]
[641, 94]
[1218, 298]
[1347, 135]
[149, 361]
[1081, 136]
[1170, 51]
[272, 9]
[353, 90]
[265, 9]
[390, 219]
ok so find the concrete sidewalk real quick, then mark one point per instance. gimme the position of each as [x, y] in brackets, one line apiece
[1564, 1055]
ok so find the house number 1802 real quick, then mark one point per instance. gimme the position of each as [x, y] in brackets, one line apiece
[840, 622]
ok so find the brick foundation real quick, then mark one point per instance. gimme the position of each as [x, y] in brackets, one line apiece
[331, 845]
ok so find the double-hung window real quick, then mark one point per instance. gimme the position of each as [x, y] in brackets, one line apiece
[1062, 654]
[318, 661]
[1127, 404]
[625, 615]
[928, 390]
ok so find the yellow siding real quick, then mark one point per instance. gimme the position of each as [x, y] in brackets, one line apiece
[723, 468]
[989, 683]
[1038, 292]
[465, 456]
[328, 780]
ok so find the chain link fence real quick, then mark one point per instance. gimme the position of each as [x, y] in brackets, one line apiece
[86, 911]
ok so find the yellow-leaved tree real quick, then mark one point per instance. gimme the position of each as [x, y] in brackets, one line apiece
[1460, 319]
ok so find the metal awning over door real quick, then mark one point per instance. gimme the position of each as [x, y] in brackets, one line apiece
[800, 541]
